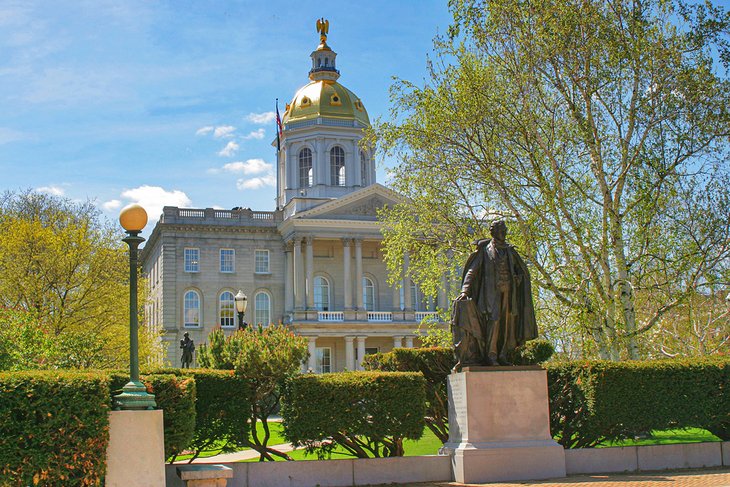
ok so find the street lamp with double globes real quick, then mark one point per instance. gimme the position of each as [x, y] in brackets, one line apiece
[241, 303]
[134, 394]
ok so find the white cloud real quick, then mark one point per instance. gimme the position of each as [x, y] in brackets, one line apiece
[52, 190]
[251, 166]
[153, 198]
[204, 130]
[256, 134]
[256, 183]
[261, 118]
[229, 150]
[111, 205]
[224, 131]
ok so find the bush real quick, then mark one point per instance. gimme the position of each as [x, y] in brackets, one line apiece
[221, 408]
[368, 414]
[591, 402]
[175, 395]
[54, 428]
[533, 352]
[435, 364]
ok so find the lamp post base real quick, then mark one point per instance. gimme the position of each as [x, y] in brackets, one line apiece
[134, 396]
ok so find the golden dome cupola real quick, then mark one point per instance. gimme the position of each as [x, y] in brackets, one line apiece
[323, 58]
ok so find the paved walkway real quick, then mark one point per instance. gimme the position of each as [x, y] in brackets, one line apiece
[239, 455]
[681, 478]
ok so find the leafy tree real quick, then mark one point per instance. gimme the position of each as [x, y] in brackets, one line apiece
[265, 357]
[68, 269]
[599, 129]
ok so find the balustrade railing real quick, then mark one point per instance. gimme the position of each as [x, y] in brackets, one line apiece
[330, 316]
[431, 315]
[380, 316]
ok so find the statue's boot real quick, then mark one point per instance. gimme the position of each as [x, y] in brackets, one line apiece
[502, 360]
[492, 360]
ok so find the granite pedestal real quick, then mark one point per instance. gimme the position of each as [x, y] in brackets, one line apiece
[499, 426]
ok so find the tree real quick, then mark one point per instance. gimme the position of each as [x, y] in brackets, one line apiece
[599, 129]
[265, 357]
[68, 269]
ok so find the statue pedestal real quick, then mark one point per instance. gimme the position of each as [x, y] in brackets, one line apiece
[499, 426]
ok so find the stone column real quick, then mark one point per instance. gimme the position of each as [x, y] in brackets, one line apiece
[397, 341]
[299, 284]
[360, 352]
[289, 281]
[349, 354]
[396, 297]
[347, 273]
[312, 348]
[310, 272]
[441, 301]
[358, 273]
[409, 342]
[407, 300]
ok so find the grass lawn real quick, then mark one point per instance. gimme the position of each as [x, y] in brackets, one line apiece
[275, 439]
[667, 437]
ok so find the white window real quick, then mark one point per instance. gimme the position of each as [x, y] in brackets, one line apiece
[192, 260]
[321, 294]
[262, 261]
[191, 309]
[337, 166]
[324, 360]
[262, 309]
[305, 168]
[228, 260]
[368, 294]
[226, 308]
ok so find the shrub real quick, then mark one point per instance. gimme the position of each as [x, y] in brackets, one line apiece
[176, 397]
[435, 364]
[596, 401]
[533, 352]
[54, 428]
[221, 408]
[368, 414]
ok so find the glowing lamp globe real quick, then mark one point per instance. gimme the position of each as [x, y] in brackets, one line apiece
[133, 218]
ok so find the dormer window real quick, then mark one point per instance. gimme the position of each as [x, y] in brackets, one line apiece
[305, 102]
[335, 100]
[358, 105]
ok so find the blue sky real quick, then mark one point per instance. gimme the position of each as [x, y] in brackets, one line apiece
[156, 101]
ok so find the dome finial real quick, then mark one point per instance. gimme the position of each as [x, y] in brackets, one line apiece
[323, 27]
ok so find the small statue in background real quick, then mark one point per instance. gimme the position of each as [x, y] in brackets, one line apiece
[188, 347]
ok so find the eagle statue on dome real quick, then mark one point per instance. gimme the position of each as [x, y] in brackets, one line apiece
[323, 27]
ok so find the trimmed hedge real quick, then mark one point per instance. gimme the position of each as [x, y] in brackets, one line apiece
[591, 402]
[54, 428]
[221, 409]
[175, 395]
[435, 364]
[366, 413]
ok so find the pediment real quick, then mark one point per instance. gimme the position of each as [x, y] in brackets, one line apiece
[360, 205]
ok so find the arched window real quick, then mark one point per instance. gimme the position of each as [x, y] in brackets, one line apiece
[262, 309]
[364, 170]
[226, 309]
[321, 293]
[368, 294]
[191, 309]
[305, 168]
[337, 166]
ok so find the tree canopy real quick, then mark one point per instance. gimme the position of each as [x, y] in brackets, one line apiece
[599, 130]
[65, 271]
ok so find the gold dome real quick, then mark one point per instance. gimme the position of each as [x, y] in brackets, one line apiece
[325, 98]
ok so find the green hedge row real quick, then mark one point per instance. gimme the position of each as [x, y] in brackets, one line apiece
[221, 407]
[591, 402]
[366, 413]
[54, 428]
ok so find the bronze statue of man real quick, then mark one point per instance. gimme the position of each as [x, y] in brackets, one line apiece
[494, 313]
[188, 347]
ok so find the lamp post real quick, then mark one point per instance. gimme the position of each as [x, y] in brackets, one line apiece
[134, 394]
[241, 303]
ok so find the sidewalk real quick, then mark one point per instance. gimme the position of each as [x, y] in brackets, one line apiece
[238, 456]
[676, 478]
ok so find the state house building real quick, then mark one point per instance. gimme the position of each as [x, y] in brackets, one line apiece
[315, 264]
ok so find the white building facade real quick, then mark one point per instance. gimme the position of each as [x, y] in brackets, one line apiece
[314, 264]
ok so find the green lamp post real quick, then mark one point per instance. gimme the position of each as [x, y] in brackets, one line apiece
[134, 394]
[241, 301]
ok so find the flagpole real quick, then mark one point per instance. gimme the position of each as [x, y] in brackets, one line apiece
[278, 156]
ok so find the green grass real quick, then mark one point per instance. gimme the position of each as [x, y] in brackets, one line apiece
[667, 437]
[276, 438]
